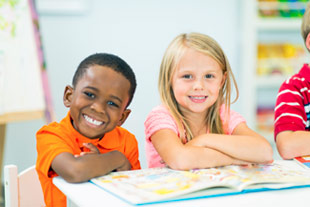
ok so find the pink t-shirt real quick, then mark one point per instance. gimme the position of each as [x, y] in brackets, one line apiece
[160, 118]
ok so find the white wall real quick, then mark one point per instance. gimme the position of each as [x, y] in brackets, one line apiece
[138, 31]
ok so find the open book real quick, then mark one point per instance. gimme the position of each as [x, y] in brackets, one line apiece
[155, 185]
[303, 161]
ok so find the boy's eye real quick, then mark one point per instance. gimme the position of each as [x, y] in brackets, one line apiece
[90, 95]
[112, 103]
[187, 76]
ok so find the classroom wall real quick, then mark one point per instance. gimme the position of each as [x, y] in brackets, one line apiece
[139, 32]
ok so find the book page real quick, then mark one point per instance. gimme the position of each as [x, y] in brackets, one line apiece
[273, 176]
[149, 185]
[303, 161]
[160, 184]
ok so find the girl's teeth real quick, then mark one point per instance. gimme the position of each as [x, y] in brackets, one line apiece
[201, 97]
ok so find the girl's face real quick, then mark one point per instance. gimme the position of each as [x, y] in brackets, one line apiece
[196, 82]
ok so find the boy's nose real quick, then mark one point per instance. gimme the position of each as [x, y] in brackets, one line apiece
[98, 107]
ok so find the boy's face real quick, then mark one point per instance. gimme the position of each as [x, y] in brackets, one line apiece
[98, 102]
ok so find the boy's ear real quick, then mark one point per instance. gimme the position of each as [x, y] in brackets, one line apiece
[68, 93]
[124, 117]
[308, 41]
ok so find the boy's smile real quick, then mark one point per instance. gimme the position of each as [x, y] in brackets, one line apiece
[92, 121]
[98, 102]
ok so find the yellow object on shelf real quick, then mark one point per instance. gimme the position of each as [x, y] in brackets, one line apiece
[279, 58]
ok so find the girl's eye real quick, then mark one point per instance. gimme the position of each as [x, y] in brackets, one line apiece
[209, 76]
[112, 103]
[90, 95]
[187, 76]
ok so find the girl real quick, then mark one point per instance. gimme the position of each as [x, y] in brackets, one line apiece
[194, 127]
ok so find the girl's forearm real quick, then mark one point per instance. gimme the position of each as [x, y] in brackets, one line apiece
[201, 157]
[247, 148]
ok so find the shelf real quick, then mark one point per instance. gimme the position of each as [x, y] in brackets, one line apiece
[268, 23]
[273, 24]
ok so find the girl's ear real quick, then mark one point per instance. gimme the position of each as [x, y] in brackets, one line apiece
[308, 41]
[68, 96]
[224, 79]
[125, 115]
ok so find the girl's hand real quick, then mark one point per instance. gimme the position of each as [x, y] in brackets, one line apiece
[93, 150]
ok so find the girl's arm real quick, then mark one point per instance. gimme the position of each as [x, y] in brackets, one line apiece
[292, 144]
[183, 157]
[243, 144]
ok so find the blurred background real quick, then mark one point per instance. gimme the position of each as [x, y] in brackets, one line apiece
[260, 38]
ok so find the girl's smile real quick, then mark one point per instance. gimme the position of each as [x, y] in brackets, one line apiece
[198, 99]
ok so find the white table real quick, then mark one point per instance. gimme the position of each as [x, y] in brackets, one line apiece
[88, 194]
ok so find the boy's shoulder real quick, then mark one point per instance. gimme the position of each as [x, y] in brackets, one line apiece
[121, 132]
[118, 137]
[57, 127]
[301, 78]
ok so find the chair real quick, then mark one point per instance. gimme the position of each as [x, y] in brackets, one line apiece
[22, 189]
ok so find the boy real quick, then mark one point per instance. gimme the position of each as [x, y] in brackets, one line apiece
[292, 111]
[89, 141]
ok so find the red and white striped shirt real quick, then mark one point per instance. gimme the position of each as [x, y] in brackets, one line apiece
[292, 111]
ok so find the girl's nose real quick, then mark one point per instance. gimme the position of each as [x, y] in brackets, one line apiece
[198, 85]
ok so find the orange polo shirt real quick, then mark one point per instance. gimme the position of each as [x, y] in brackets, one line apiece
[57, 138]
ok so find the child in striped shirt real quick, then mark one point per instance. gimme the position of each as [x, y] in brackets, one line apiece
[292, 111]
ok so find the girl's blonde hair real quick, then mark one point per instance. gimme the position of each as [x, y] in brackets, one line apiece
[208, 46]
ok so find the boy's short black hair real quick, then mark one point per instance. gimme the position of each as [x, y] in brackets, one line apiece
[109, 60]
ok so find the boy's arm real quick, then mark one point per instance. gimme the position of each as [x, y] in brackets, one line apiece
[82, 168]
[292, 144]
[243, 144]
[183, 157]
[92, 150]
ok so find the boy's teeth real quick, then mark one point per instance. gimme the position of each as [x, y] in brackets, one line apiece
[92, 121]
